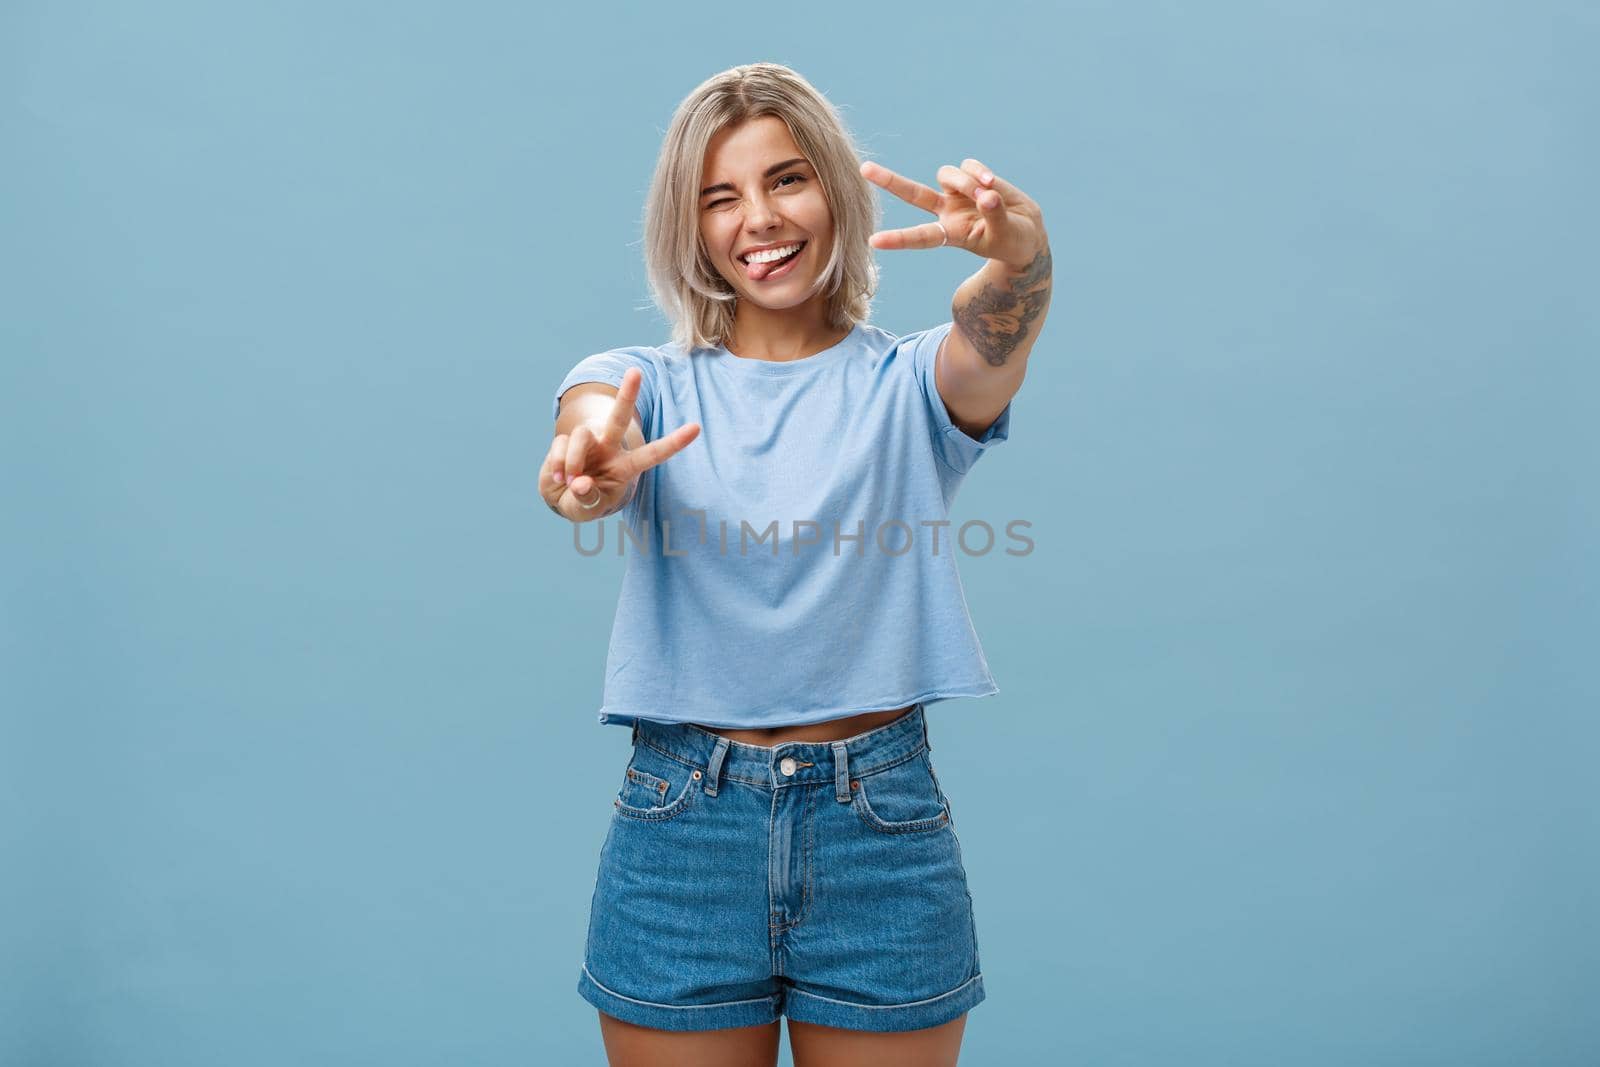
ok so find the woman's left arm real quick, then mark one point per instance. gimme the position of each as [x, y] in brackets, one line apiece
[999, 311]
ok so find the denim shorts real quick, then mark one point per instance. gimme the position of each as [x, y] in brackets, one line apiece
[818, 880]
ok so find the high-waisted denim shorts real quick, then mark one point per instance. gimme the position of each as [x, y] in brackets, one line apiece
[818, 880]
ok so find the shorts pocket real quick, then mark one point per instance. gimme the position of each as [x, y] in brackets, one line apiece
[903, 799]
[643, 790]
[656, 786]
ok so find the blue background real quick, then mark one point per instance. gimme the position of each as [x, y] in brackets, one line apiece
[1294, 756]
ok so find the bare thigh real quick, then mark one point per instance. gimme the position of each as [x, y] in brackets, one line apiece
[827, 1046]
[630, 1045]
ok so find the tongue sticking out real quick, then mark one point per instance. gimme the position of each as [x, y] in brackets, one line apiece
[757, 271]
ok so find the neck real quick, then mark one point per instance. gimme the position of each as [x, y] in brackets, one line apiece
[783, 335]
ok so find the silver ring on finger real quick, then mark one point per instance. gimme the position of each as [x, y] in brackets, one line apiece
[597, 495]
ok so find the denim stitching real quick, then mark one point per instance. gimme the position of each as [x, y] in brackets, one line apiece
[806, 893]
[883, 826]
[809, 891]
[772, 899]
[972, 913]
[863, 808]
[727, 776]
[671, 811]
[648, 780]
[880, 1007]
[811, 834]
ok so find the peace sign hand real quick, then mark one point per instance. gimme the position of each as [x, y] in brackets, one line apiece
[986, 215]
[596, 471]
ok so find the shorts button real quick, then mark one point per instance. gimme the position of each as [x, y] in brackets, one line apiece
[787, 766]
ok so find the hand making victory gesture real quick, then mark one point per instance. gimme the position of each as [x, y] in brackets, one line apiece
[586, 475]
[986, 215]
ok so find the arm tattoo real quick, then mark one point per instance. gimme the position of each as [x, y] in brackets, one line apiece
[996, 320]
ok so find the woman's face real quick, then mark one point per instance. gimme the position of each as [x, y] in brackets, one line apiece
[747, 208]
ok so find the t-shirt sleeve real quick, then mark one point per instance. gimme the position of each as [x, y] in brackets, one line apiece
[609, 367]
[954, 446]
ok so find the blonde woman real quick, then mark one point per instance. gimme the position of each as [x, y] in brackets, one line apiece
[781, 471]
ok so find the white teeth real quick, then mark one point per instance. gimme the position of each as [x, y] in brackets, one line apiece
[770, 255]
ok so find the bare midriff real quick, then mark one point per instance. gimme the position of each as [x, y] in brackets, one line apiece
[829, 730]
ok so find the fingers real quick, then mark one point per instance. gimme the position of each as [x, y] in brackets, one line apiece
[577, 447]
[565, 499]
[968, 181]
[1009, 193]
[913, 193]
[959, 180]
[622, 410]
[550, 489]
[971, 180]
[609, 436]
[987, 189]
[662, 448]
[927, 235]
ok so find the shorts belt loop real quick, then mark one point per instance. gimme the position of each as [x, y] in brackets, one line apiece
[925, 742]
[636, 731]
[841, 773]
[714, 768]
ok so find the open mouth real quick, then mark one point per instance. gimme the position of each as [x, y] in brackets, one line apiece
[777, 268]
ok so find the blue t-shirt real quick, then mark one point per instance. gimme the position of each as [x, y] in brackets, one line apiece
[748, 599]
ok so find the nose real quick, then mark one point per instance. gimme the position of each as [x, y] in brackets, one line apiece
[759, 215]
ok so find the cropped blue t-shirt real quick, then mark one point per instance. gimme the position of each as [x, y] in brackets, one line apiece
[795, 562]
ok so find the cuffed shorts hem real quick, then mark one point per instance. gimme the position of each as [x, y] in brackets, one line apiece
[917, 1015]
[757, 1011]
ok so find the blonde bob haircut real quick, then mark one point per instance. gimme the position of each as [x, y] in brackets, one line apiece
[686, 287]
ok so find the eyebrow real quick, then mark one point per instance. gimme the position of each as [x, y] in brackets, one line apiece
[769, 172]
